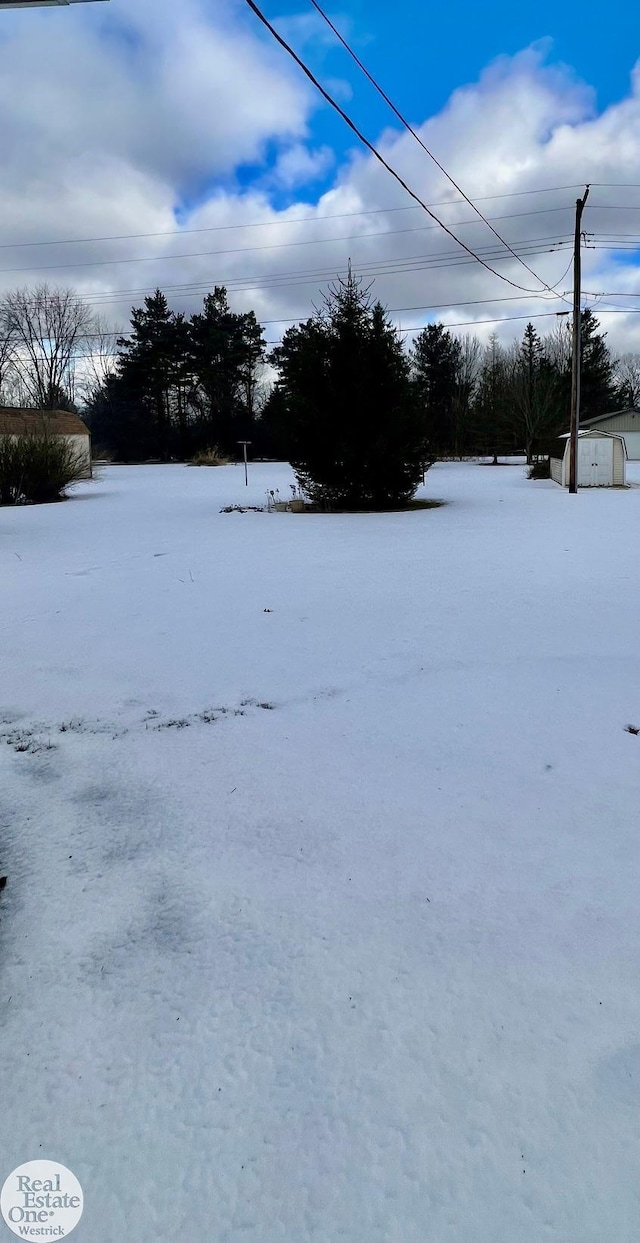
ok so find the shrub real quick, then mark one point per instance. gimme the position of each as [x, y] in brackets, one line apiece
[541, 469]
[37, 468]
[210, 457]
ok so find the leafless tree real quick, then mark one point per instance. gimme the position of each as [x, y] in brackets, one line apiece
[557, 345]
[468, 368]
[7, 377]
[627, 379]
[48, 331]
[99, 361]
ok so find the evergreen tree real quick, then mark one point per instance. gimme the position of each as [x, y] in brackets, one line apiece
[118, 421]
[152, 369]
[180, 385]
[226, 351]
[597, 383]
[494, 432]
[536, 395]
[354, 432]
[436, 362]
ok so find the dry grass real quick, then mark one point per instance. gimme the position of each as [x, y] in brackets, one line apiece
[210, 457]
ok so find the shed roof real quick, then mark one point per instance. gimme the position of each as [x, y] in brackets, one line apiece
[14, 421]
[594, 432]
[612, 414]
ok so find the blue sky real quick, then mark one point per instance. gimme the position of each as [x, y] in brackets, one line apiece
[422, 52]
[425, 50]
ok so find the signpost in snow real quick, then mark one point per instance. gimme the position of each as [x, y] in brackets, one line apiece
[244, 444]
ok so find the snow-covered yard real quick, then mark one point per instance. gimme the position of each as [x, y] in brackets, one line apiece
[322, 843]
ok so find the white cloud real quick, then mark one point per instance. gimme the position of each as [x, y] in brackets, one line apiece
[301, 165]
[134, 107]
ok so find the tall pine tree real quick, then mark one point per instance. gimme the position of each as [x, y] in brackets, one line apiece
[354, 431]
[436, 362]
[536, 394]
[152, 371]
[597, 384]
[226, 351]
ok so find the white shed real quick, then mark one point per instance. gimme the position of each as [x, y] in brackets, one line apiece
[625, 423]
[16, 422]
[602, 458]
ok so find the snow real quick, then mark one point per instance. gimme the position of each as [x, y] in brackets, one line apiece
[322, 922]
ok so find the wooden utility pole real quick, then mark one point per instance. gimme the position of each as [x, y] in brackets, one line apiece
[576, 350]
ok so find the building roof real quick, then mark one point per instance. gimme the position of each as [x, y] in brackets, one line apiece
[593, 432]
[613, 414]
[15, 421]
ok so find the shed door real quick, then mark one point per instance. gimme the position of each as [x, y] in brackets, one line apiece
[595, 462]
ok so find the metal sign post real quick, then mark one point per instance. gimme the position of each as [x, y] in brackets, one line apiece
[244, 444]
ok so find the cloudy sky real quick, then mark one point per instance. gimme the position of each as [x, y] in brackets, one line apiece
[172, 143]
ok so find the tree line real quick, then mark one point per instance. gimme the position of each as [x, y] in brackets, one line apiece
[176, 385]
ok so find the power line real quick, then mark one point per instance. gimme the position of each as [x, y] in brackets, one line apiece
[466, 323]
[370, 147]
[507, 319]
[549, 243]
[270, 224]
[391, 310]
[250, 285]
[235, 250]
[462, 323]
[414, 133]
[436, 261]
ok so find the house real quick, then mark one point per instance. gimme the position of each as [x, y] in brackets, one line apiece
[16, 422]
[602, 459]
[625, 422]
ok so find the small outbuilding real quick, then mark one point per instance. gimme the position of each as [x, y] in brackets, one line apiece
[602, 458]
[16, 422]
[625, 423]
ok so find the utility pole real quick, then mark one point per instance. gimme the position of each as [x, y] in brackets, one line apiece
[576, 349]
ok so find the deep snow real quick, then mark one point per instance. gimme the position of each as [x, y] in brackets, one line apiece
[322, 922]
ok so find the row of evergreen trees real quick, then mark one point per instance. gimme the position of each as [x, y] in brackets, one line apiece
[182, 385]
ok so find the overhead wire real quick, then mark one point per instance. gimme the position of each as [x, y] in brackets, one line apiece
[418, 262]
[288, 220]
[233, 250]
[414, 133]
[464, 323]
[373, 149]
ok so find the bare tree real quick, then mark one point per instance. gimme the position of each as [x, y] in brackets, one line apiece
[99, 362]
[6, 370]
[626, 371]
[48, 331]
[557, 346]
[468, 368]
